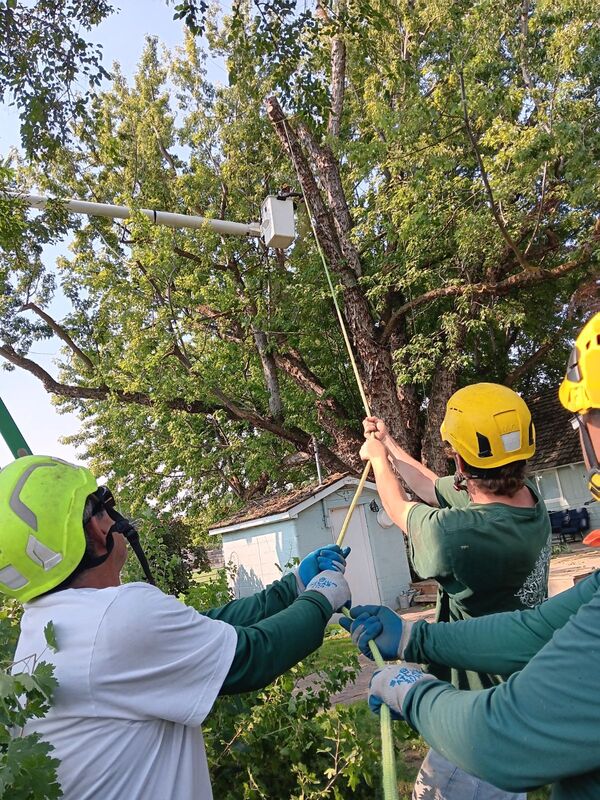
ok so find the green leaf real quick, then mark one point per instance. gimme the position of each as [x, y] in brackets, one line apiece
[50, 636]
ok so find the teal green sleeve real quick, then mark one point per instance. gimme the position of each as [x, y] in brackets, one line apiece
[539, 727]
[498, 643]
[427, 543]
[248, 610]
[448, 496]
[269, 648]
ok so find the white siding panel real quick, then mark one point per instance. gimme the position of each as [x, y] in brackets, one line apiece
[256, 556]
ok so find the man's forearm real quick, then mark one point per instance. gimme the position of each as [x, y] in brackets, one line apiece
[418, 477]
[248, 610]
[498, 643]
[536, 728]
[393, 496]
[269, 648]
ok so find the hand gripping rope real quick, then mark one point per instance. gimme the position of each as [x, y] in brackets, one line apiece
[388, 759]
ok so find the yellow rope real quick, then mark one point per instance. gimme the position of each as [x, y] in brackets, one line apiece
[388, 759]
[357, 493]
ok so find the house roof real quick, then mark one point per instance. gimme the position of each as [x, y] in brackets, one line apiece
[557, 443]
[284, 504]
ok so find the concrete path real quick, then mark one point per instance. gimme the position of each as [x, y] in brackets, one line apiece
[578, 560]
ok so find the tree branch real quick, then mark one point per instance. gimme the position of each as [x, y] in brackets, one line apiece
[328, 171]
[484, 177]
[338, 85]
[521, 280]
[300, 439]
[102, 392]
[516, 375]
[325, 228]
[61, 333]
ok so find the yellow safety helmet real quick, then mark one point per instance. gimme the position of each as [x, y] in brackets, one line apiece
[42, 539]
[580, 389]
[580, 393]
[489, 426]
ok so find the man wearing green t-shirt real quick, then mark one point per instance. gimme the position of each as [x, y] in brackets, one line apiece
[483, 534]
[541, 725]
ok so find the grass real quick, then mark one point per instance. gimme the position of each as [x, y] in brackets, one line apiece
[336, 642]
[205, 577]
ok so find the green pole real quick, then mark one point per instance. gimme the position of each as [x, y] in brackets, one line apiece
[11, 434]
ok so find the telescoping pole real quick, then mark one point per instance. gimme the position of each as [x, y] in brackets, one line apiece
[11, 434]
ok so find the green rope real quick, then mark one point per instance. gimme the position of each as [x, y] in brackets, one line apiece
[388, 759]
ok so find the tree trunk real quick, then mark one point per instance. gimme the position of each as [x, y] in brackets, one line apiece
[374, 359]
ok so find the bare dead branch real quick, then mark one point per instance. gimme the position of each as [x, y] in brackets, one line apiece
[338, 84]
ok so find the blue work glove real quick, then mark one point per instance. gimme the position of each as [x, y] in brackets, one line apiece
[333, 586]
[391, 685]
[329, 557]
[381, 625]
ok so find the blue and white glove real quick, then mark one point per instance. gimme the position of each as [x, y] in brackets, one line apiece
[379, 624]
[330, 556]
[391, 685]
[333, 586]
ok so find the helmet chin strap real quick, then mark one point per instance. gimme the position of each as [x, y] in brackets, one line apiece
[590, 452]
[124, 526]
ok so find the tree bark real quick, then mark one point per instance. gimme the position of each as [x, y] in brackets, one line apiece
[331, 226]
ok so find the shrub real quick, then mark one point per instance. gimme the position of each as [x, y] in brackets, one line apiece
[288, 741]
[27, 770]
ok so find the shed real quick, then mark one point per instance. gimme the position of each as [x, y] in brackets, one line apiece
[266, 536]
[557, 466]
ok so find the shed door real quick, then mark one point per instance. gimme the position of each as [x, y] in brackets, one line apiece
[360, 570]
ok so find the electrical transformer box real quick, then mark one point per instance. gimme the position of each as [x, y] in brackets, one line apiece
[277, 222]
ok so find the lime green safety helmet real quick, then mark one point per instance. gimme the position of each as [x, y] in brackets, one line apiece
[42, 539]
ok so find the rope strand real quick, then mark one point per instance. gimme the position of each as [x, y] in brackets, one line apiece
[388, 759]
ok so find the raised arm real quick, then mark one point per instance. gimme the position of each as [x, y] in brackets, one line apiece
[393, 496]
[417, 477]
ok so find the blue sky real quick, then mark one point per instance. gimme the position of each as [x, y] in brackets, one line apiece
[122, 37]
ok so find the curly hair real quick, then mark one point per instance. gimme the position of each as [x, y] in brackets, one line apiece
[505, 481]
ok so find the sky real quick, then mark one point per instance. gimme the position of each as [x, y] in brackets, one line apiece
[122, 37]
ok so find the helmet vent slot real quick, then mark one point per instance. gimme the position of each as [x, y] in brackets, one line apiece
[483, 445]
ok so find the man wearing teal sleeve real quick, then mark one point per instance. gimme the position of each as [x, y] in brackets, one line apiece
[541, 725]
[137, 670]
[483, 534]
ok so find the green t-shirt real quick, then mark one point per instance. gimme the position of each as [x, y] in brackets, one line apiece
[486, 558]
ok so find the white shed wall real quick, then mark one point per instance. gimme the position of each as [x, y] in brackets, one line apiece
[256, 552]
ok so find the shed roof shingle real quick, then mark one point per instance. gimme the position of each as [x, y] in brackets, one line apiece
[556, 441]
[277, 502]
